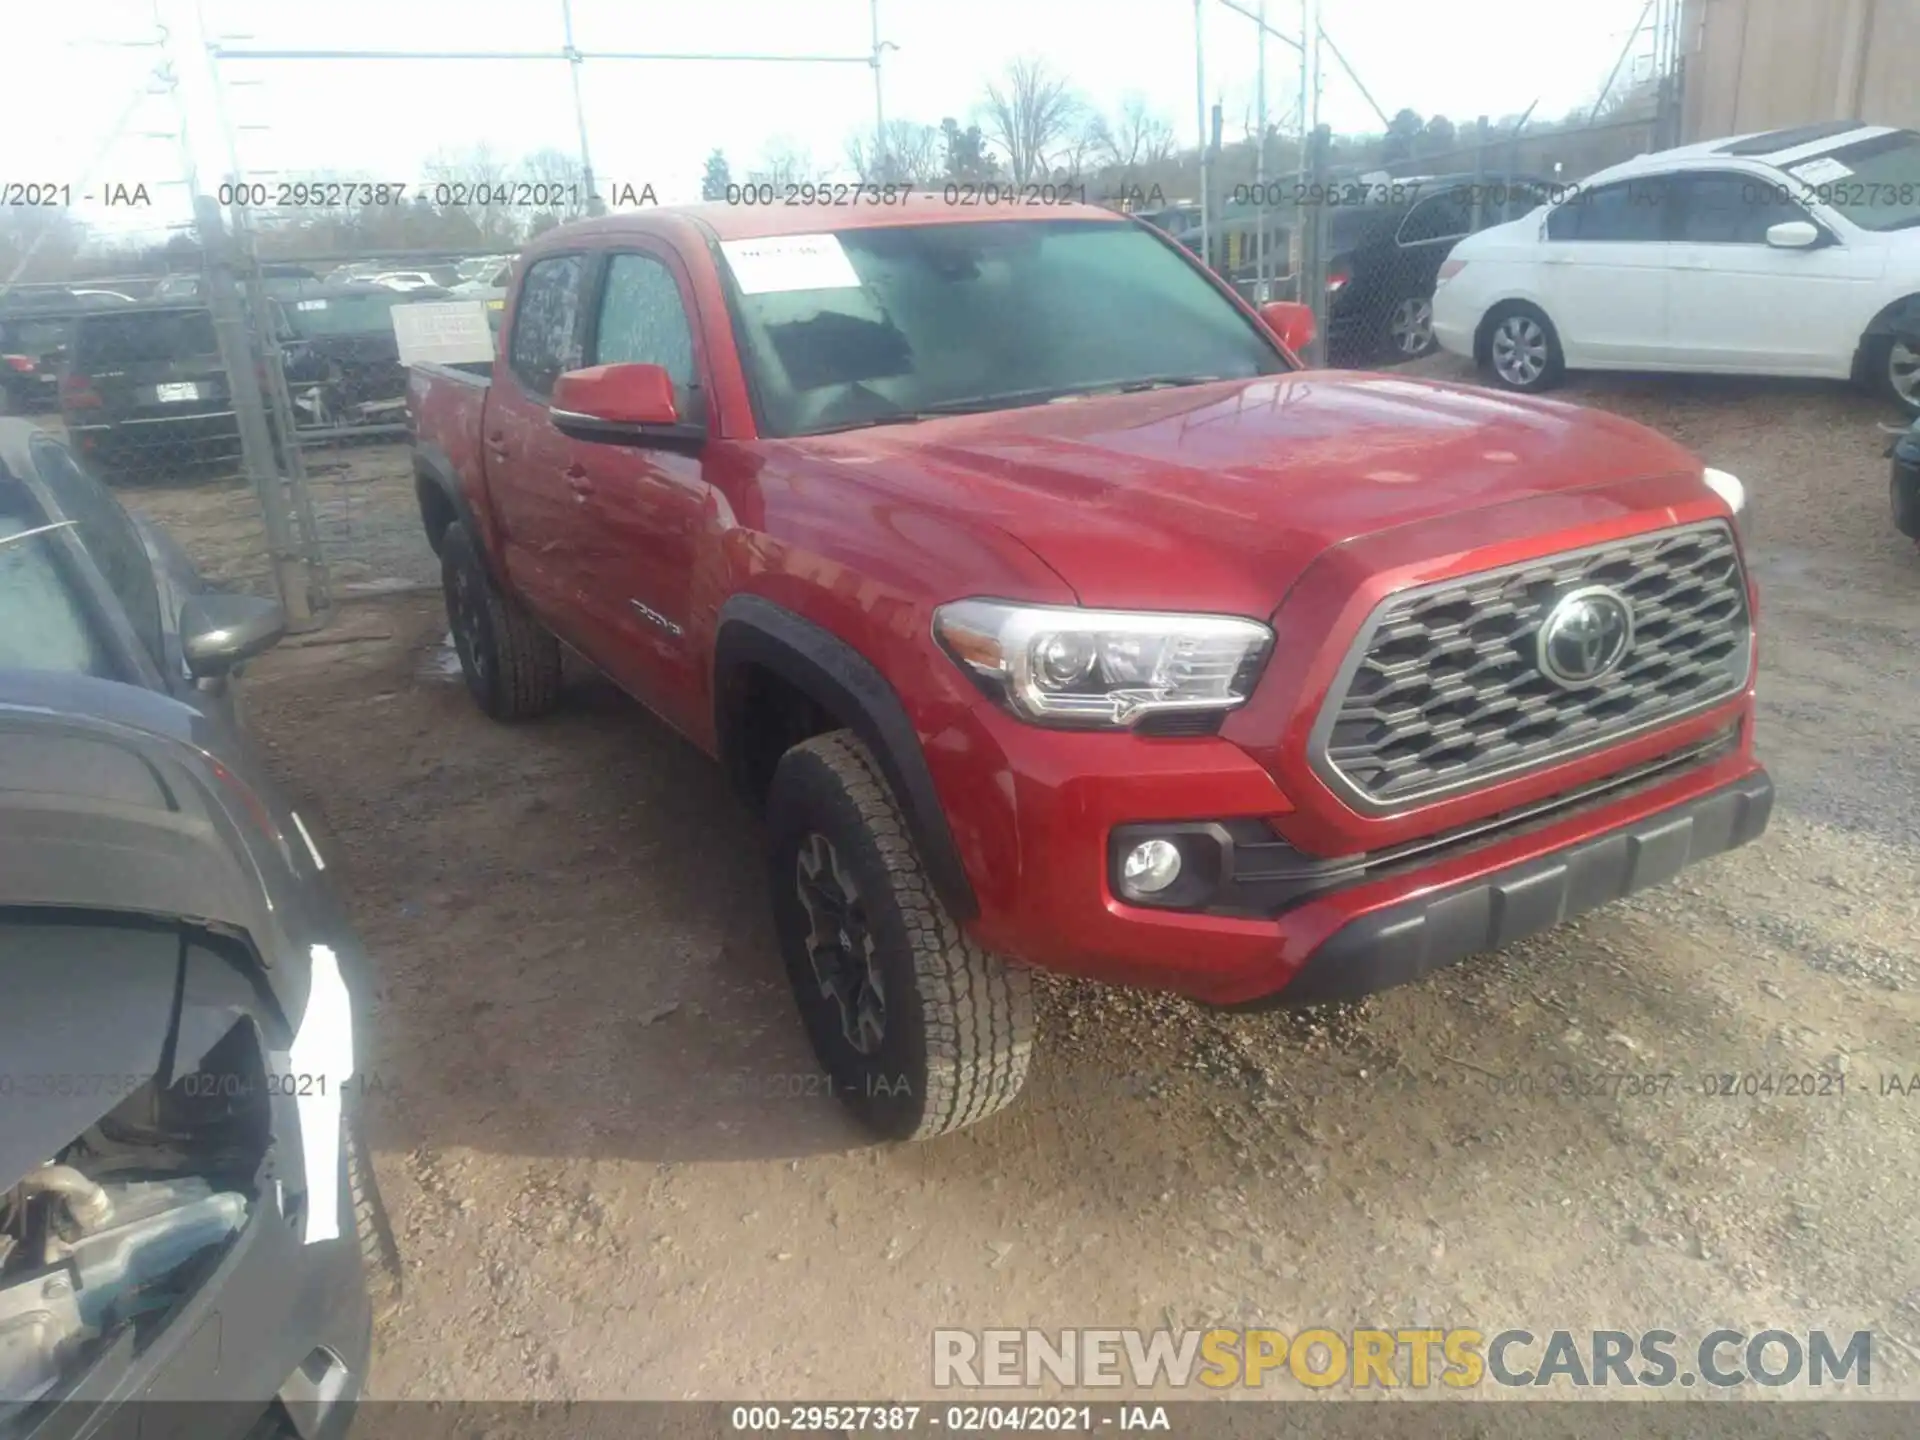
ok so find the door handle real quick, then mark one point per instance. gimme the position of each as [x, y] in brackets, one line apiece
[496, 447]
[578, 481]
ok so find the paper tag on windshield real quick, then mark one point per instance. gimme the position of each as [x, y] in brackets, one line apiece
[1821, 171]
[775, 263]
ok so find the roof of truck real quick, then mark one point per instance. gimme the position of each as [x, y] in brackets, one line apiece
[858, 212]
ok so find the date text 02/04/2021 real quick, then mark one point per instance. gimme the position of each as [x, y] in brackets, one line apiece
[954, 1419]
[478, 194]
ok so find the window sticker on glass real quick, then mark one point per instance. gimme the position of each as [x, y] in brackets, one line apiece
[309, 304]
[789, 262]
[1821, 171]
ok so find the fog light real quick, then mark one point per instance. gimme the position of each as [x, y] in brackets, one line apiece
[1150, 867]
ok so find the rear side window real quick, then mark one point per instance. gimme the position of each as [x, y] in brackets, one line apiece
[1626, 211]
[643, 320]
[546, 324]
[45, 624]
[109, 339]
[1440, 217]
[109, 537]
[32, 337]
[369, 314]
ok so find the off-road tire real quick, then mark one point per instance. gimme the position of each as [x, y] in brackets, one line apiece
[511, 662]
[959, 1023]
[379, 1249]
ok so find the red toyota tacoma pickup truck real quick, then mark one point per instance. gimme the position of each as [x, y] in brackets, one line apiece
[1055, 616]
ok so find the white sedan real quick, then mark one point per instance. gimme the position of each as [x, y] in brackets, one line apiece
[1795, 252]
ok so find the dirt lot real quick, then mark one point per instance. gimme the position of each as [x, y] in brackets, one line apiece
[596, 1129]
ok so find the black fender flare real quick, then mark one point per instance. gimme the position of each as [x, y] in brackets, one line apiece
[842, 681]
[432, 468]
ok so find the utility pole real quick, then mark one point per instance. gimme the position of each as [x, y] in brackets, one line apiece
[574, 61]
[1260, 163]
[238, 356]
[1200, 115]
[879, 104]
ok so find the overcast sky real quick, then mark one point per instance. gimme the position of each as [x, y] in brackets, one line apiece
[75, 66]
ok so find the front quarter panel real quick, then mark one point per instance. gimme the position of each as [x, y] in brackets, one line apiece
[869, 569]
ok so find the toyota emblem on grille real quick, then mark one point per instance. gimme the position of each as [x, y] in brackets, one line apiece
[1586, 634]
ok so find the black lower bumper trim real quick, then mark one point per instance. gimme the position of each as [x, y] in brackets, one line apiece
[1403, 942]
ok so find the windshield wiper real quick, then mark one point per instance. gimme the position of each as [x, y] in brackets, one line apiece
[1157, 382]
[1017, 399]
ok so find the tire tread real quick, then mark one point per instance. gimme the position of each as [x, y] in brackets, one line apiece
[527, 664]
[978, 1011]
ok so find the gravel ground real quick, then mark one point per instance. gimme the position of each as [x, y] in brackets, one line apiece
[611, 1178]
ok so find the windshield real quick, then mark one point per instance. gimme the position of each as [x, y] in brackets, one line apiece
[344, 314]
[978, 316]
[1875, 183]
[136, 338]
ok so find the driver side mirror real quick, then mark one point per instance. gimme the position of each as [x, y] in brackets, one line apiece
[1292, 322]
[626, 404]
[1793, 235]
[218, 633]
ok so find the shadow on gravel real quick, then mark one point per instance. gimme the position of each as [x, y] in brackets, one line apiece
[570, 919]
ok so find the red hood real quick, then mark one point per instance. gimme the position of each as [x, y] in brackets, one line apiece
[1219, 497]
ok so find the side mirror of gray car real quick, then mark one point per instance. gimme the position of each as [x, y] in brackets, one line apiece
[220, 632]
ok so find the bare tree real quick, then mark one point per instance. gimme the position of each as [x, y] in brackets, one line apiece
[1029, 113]
[1135, 137]
[558, 187]
[910, 153]
[1082, 148]
[784, 163]
[465, 180]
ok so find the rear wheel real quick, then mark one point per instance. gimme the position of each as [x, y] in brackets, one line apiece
[1409, 328]
[1520, 351]
[1893, 369]
[509, 660]
[920, 1030]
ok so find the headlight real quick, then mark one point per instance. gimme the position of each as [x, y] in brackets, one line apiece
[1105, 669]
[1729, 489]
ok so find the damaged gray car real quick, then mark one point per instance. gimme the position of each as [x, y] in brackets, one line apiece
[189, 1225]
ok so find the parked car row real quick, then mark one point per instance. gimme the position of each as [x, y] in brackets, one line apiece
[143, 386]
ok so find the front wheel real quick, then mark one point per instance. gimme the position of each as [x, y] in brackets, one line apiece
[920, 1031]
[1520, 351]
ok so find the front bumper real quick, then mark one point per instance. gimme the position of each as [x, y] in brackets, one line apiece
[1452, 333]
[1401, 942]
[1045, 879]
[272, 1306]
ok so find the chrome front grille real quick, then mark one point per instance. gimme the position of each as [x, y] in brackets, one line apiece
[1444, 688]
